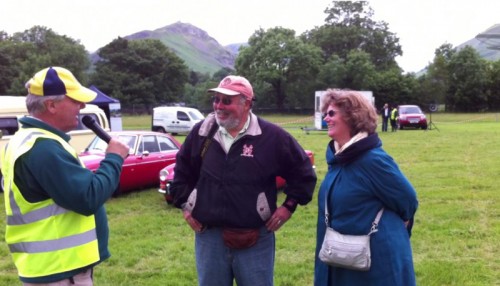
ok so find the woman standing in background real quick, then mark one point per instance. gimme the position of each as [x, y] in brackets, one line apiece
[361, 179]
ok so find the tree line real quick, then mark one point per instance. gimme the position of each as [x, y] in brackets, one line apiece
[349, 51]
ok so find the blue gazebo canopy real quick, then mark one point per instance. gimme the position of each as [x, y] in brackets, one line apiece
[101, 97]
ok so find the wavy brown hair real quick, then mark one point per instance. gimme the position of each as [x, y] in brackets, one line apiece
[355, 109]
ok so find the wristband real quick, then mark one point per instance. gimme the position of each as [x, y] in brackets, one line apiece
[290, 204]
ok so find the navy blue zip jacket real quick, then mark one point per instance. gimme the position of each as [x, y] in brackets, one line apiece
[238, 188]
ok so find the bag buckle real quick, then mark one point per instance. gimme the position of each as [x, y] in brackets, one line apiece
[374, 228]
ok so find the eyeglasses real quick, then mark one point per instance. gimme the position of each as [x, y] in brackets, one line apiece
[330, 113]
[225, 100]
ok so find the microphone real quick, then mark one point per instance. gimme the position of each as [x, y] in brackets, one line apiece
[92, 125]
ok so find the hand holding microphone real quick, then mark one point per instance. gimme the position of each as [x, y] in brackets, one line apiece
[114, 145]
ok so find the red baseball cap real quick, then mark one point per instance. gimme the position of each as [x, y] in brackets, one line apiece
[233, 85]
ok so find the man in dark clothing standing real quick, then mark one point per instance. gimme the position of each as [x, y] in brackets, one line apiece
[386, 113]
[227, 188]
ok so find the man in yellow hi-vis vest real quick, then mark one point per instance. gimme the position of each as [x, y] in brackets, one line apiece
[394, 119]
[56, 225]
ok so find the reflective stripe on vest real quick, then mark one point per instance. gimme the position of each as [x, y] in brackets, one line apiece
[44, 246]
[43, 237]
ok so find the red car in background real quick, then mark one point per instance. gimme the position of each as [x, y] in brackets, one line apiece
[167, 176]
[411, 116]
[149, 153]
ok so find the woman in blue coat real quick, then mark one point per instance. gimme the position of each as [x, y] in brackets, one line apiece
[361, 179]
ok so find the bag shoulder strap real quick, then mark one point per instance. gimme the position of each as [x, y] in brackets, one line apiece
[375, 222]
[208, 139]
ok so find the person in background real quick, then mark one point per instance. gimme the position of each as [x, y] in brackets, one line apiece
[361, 179]
[227, 189]
[394, 119]
[385, 112]
[57, 229]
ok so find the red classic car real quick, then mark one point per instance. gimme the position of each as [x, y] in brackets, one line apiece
[149, 153]
[167, 176]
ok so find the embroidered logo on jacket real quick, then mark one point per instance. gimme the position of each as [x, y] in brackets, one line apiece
[247, 151]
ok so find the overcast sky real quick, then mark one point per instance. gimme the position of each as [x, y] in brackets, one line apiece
[422, 26]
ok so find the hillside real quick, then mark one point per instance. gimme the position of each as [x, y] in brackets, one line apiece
[200, 52]
[487, 43]
[204, 54]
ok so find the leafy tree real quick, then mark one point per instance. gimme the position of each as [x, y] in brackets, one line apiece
[280, 66]
[140, 72]
[434, 85]
[198, 97]
[195, 93]
[395, 88]
[3, 36]
[8, 69]
[222, 73]
[197, 77]
[27, 52]
[355, 72]
[332, 73]
[348, 26]
[494, 86]
[358, 72]
[468, 82]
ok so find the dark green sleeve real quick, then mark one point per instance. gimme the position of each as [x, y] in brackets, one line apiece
[49, 170]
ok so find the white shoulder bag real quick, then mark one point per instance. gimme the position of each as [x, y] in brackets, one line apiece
[347, 251]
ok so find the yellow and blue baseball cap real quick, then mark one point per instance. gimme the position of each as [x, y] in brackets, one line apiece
[59, 81]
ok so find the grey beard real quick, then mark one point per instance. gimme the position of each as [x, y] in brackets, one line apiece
[228, 124]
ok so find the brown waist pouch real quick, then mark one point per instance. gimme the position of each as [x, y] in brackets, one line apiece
[237, 238]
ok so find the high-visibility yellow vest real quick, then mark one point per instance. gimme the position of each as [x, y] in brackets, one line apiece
[43, 238]
[393, 114]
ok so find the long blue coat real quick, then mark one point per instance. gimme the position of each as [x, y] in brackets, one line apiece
[359, 183]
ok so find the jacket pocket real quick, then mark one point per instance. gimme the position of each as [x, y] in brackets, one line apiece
[191, 201]
[263, 208]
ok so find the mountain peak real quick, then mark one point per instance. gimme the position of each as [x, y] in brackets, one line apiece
[196, 47]
[185, 29]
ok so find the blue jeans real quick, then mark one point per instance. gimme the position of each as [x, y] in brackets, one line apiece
[218, 265]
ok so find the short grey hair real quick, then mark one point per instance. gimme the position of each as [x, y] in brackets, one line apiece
[35, 103]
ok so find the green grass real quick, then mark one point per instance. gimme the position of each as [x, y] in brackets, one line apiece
[454, 168]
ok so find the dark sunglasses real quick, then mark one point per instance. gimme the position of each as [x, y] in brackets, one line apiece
[330, 113]
[225, 100]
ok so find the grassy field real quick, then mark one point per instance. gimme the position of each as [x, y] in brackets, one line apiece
[454, 168]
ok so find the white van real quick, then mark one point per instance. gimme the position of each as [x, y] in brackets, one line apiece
[175, 119]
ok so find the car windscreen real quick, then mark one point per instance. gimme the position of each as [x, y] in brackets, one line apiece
[9, 125]
[97, 145]
[196, 115]
[412, 109]
[130, 141]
